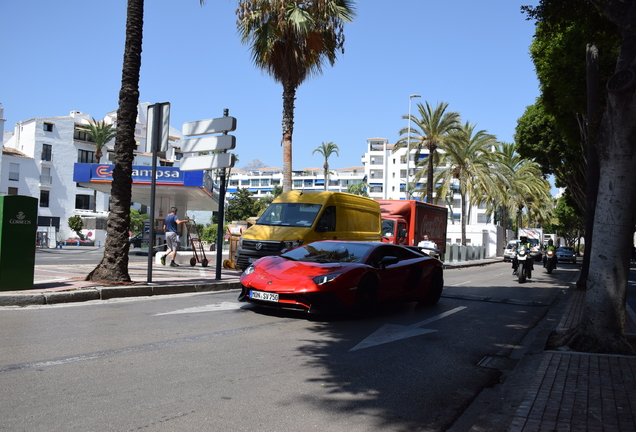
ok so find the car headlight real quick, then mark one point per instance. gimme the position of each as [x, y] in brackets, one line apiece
[249, 270]
[325, 279]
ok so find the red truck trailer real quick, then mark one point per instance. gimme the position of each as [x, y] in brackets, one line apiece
[406, 222]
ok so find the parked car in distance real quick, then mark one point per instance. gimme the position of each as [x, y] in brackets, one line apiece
[137, 240]
[509, 253]
[332, 276]
[566, 253]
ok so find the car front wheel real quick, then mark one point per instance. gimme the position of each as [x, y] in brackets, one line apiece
[366, 297]
[435, 288]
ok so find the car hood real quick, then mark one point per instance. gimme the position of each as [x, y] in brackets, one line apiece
[281, 275]
[275, 232]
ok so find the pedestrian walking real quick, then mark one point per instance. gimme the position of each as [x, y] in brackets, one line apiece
[170, 227]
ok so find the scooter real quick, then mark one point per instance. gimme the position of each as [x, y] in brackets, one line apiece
[524, 264]
[550, 260]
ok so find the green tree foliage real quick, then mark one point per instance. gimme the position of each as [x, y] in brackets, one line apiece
[430, 130]
[569, 225]
[242, 206]
[467, 158]
[326, 150]
[292, 40]
[100, 133]
[360, 188]
[76, 224]
[137, 221]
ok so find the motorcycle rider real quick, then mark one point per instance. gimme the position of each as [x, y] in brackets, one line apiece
[551, 247]
[523, 241]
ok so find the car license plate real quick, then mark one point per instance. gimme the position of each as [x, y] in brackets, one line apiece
[259, 295]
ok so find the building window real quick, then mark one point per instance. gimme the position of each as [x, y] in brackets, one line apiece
[275, 182]
[264, 182]
[14, 171]
[45, 177]
[83, 202]
[81, 135]
[178, 155]
[44, 198]
[47, 152]
[298, 184]
[254, 182]
[12, 191]
[86, 156]
[48, 127]
[483, 218]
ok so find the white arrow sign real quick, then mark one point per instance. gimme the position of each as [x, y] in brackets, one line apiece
[210, 126]
[207, 162]
[211, 143]
[393, 332]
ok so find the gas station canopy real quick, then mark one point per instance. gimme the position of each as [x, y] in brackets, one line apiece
[189, 190]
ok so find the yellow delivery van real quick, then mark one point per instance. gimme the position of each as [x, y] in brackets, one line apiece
[301, 217]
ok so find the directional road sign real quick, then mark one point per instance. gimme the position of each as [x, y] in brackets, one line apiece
[210, 126]
[207, 162]
[210, 143]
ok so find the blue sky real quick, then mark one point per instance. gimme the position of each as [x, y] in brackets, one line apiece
[64, 56]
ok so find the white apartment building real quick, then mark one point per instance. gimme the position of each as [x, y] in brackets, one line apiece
[38, 160]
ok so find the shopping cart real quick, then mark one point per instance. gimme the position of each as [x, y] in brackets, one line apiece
[198, 253]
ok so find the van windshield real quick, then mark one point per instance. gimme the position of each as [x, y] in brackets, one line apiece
[290, 214]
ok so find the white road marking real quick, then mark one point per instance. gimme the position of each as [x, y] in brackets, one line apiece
[214, 307]
[393, 332]
[461, 283]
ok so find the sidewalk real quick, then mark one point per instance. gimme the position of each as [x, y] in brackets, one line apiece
[573, 391]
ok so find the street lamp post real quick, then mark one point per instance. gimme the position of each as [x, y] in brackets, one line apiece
[408, 146]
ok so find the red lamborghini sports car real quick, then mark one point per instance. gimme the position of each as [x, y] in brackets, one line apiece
[331, 275]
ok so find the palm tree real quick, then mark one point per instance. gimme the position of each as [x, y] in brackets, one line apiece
[100, 133]
[291, 40]
[431, 130]
[358, 189]
[114, 265]
[467, 156]
[518, 183]
[327, 150]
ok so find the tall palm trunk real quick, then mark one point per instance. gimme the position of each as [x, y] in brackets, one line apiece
[430, 170]
[289, 96]
[114, 265]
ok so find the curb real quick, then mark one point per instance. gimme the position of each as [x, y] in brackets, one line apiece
[106, 293]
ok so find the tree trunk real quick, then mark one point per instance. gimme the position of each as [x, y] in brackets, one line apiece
[429, 173]
[114, 265]
[463, 197]
[602, 327]
[289, 96]
[591, 193]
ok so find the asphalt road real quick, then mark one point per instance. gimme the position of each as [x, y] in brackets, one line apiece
[204, 362]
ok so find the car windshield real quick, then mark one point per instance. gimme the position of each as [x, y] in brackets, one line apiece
[388, 227]
[290, 214]
[566, 249]
[328, 252]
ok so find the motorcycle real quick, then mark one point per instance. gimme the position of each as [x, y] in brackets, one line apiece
[550, 263]
[524, 264]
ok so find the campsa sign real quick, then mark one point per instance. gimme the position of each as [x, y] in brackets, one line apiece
[140, 174]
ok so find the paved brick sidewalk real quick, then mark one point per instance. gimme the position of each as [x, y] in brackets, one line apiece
[574, 391]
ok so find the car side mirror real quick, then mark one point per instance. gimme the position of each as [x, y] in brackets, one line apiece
[388, 260]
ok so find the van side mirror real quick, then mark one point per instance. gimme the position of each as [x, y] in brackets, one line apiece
[403, 232]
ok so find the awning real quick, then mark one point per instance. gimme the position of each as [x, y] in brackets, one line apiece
[191, 190]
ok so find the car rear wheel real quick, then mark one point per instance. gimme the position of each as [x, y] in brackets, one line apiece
[366, 297]
[435, 288]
